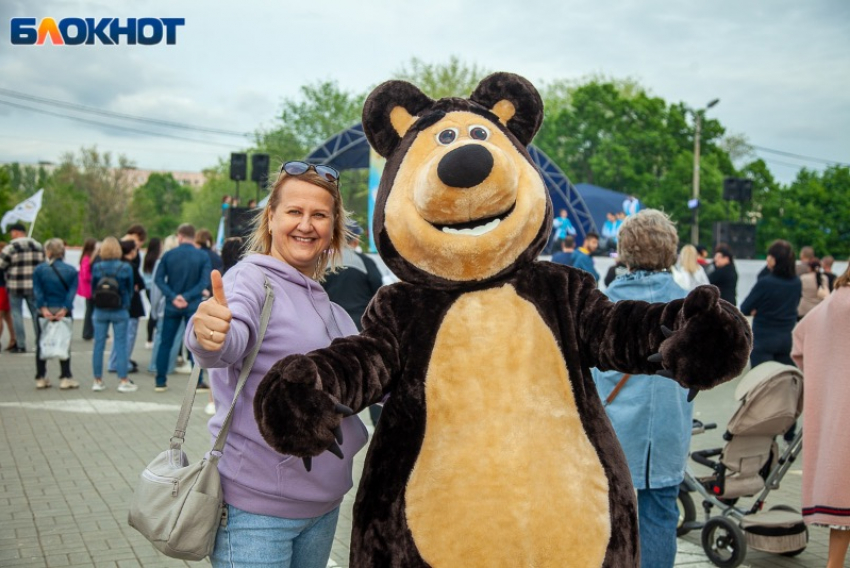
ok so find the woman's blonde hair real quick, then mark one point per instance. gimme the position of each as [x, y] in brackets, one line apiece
[844, 279]
[647, 241]
[260, 240]
[688, 259]
[110, 249]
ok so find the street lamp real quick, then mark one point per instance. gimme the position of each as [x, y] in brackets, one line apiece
[697, 132]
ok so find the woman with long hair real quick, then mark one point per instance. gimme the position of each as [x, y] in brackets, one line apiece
[297, 237]
[820, 350]
[687, 272]
[773, 304]
[815, 288]
[84, 288]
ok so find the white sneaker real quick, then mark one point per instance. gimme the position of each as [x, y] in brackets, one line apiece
[42, 384]
[65, 384]
[210, 408]
[98, 386]
[128, 387]
[148, 345]
[184, 369]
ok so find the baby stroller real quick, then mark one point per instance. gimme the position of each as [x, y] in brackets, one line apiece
[750, 465]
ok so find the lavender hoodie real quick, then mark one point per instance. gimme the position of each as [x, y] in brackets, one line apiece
[254, 477]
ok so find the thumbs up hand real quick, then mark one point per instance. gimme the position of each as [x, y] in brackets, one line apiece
[212, 320]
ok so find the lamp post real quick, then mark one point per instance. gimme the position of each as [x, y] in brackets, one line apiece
[697, 133]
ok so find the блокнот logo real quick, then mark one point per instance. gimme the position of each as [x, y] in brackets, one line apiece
[90, 31]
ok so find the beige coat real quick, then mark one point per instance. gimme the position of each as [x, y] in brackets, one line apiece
[821, 342]
[812, 295]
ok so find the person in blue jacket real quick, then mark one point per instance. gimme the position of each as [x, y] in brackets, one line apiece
[54, 286]
[650, 414]
[111, 265]
[582, 257]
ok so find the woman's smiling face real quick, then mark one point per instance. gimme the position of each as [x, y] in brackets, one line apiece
[301, 225]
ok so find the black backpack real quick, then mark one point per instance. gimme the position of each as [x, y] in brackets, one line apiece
[107, 294]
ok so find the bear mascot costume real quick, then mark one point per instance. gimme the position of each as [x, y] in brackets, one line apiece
[493, 448]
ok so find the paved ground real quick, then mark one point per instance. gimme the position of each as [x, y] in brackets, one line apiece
[69, 461]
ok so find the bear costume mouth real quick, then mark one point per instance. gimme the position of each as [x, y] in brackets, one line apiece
[476, 227]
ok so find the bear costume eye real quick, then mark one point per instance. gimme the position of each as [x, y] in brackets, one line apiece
[447, 136]
[477, 132]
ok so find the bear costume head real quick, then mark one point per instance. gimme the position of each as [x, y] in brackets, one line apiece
[460, 200]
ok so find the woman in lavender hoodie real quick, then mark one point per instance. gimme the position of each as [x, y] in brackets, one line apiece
[279, 513]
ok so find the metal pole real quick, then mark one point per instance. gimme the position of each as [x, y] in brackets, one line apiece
[695, 225]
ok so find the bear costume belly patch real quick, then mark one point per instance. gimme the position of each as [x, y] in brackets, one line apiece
[505, 461]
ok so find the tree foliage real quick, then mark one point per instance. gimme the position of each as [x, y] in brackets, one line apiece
[606, 131]
[158, 204]
[440, 80]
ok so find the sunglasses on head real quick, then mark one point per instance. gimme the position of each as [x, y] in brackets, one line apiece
[300, 168]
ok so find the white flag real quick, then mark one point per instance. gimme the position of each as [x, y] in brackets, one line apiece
[26, 210]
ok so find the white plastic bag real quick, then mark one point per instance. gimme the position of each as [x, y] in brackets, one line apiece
[55, 342]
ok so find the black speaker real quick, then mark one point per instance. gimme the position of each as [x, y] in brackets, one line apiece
[259, 167]
[745, 189]
[241, 219]
[238, 166]
[741, 238]
[737, 189]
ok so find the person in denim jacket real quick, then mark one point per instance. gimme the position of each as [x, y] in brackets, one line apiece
[54, 285]
[651, 415]
[112, 265]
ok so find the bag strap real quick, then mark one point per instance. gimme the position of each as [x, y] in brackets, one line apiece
[62, 280]
[189, 396]
[617, 389]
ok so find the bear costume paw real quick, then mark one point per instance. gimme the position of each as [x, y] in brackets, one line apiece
[710, 345]
[294, 416]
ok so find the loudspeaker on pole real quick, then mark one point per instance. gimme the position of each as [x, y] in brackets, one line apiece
[741, 238]
[238, 166]
[259, 167]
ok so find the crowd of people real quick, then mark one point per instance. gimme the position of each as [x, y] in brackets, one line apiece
[306, 248]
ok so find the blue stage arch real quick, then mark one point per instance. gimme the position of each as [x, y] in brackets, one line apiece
[349, 150]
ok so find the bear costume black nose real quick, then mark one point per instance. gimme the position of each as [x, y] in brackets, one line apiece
[466, 166]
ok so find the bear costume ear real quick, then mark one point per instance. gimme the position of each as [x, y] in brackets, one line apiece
[389, 112]
[514, 100]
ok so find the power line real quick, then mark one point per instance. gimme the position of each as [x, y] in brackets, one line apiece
[800, 156]
[111, 114]
[118, 127]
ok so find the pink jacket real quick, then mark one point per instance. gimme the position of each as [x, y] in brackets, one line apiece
[84, 287]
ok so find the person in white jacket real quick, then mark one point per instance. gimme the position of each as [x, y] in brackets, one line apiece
[687, 272]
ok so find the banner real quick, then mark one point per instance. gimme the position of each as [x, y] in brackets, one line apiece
[26, 211]
[376, 168]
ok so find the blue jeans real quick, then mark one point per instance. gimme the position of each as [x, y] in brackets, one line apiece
[175, 348]
[16, 303]
[259, 541]
[170, 325]
[101, 319]
[132, 331]
[658, 515]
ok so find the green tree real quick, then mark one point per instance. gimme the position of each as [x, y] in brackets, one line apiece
[158, 204]
[813, 210]
[92, 187]
[439, 80]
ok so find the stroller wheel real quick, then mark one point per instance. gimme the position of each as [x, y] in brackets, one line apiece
[687, 512]
[724, 542]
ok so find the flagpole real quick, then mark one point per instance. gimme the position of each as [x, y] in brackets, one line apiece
[32, 224]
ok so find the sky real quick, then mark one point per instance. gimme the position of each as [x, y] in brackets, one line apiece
[781, 69]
